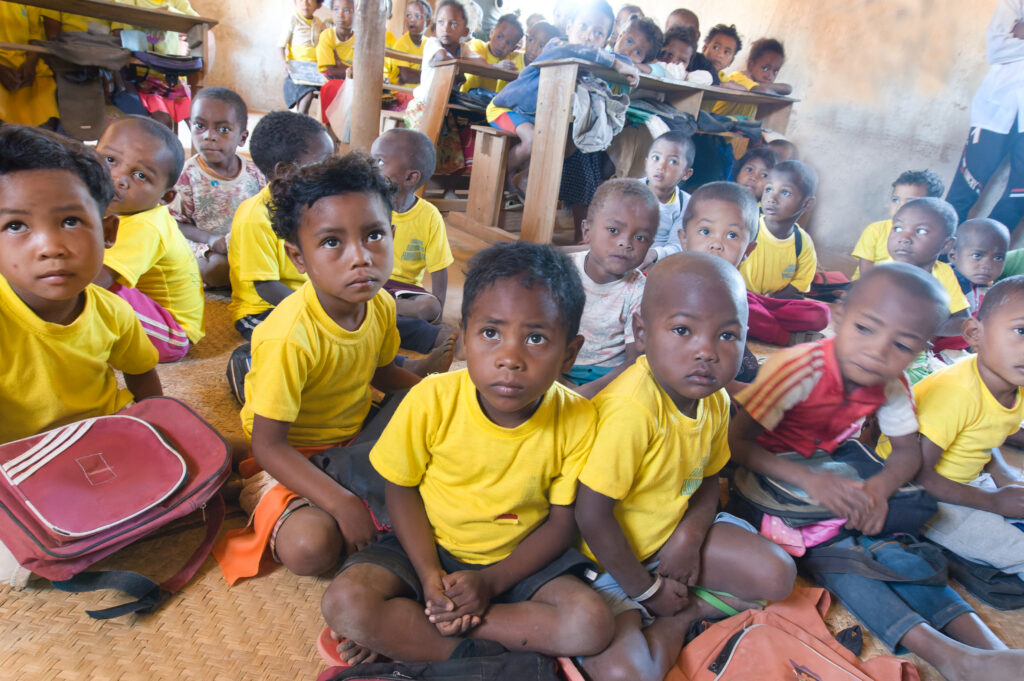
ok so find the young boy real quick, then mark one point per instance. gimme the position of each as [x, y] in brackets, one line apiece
[481, 467]
[780, 269]
[624, 16]
[313, 360]
[335, 48]
[63, 337]
[669, 161]
[649, 490]
[262, 274]
[500, 50]
[215, 181]
[620, 227]
[873, 245]
[965, 411]
[685, 19]
[815, 396]
[978, 256]
[151, 265]
[678, 47]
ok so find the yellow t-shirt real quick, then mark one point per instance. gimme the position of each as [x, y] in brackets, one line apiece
[300, 37]
[774, 263]
[484, 487]
[255, 253]
[152, 255]
[651, 457]
[947, 277]
[403, 44]
[873, 244]
[77, 22]
[310, 372]
[36, 103]
[329, 50]
[56, 374]
[736, 108]
[481, 48]
[956, 411]
[421, 243]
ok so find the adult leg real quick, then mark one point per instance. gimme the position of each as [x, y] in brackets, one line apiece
[1010, 208]
[309, 542]
[982, 154]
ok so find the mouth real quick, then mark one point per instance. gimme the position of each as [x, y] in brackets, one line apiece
[769, 210]
[506, 388]
[362, 284]
[900, 253]
[57, 276]
[701, 377]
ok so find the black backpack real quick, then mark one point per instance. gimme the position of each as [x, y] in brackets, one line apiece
[1000, 590]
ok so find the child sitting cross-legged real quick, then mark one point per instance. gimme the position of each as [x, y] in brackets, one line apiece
[313, 361]
[151, 264]
[647, 506]
[814, 397]
[965, 411]
[63, 337]
[978, 256]
[781, 268]
[873, 245]
[215, 181]
[669, 162]
[481, 468]
[621, 223]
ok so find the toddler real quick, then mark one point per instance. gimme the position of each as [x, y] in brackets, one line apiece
[752, 169]
[298, 47]
[215, 181]
[151, 264]
[621, 224]
[873, 245]
[978, 256]
[640, 40]
[500, 50]
[537, 36]
[63, 337]
[669, 162]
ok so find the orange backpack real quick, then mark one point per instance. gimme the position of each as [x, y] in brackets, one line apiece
[787, 641]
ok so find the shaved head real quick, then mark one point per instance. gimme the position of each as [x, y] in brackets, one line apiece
[717, 279]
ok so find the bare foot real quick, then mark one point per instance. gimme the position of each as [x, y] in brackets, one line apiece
[440, 358]
[354, 653]
[991, 665]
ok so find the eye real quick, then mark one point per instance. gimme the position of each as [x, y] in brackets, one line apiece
[140, 176]
[729, 336]
[489, 333]
[613, 230]
[109, 159]
[704, 231]
[224, 130]
[198, 126]
[904, 348]
[641, 237]
[330, 242]
[732, 235]
[681, 330]
[1019, 330]
[375, 235]
[998, 258]
[921, 231]
[535, 339]
[977, 256]
[863, 330]
[15, 227]
[71, 222]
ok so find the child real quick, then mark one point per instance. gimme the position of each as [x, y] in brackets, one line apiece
[698, 64]
[406, 157]
[451, 27]
[763, 64]
[537, 36]
[417, 17]
[922, 230]
[515, 107]
[669, 161]
[978, 256]
[641, 41]
[28, 91]
[63, 337]
[722, 219]
[298, 44]
[721, 47]
[481, 469]
[621, 224]
[625, 15]
[262, 274]
[649, 490]
[815, 396]
[682, 18]
[873, 245]
[500, 50]
[751, 170]
[215, 181]
[781, 268]
[313, 360]
[151, 265]
[784, 150]
[335, 48]
[678, 47]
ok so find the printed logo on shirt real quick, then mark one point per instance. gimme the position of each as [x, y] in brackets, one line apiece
[414, 251]
[789, 272]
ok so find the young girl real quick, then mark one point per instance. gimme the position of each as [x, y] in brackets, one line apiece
[766, 58]
[417, 17]
[751, 171]
[298, 44]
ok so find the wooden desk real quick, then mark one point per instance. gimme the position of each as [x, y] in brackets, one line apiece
[445, 73]
[554, 112]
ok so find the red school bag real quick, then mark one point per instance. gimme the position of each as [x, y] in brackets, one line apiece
[78, 493]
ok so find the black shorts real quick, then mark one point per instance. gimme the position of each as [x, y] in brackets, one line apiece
[389, 554]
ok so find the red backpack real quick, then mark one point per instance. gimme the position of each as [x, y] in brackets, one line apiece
[78, 493]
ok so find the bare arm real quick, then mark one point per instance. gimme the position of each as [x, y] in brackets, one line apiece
[865, 265]
[1002, 472]
[588, 390]
[272, 291]
[144, 385]
[391, 377]
[773, 88]
[900, 468]
[1007, 501]
[439, 285]
[952, 326]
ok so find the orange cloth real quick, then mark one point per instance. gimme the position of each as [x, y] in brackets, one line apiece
[240, 552]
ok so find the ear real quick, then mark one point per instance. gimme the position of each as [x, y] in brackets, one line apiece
[972, 331]
[807, 204]
[168, 196]
[585, 230]
[295, 254]
[413, 178]
[244, 136]
[687, 174]
[110, 225]
[571, 350]
[639, 333]
[681, 233]
[746, 253]
[952, 255]
[947, 245]
[392, 231]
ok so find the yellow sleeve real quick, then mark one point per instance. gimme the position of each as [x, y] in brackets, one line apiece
[806, 264]
[947, 277]
[438, 252]
[273, 386]
[257, 257]
[720, 453]
[392, 341]
[740, 78]
[135, 251]
[942, 411]
[869, 246]
[325, 50]
[132, 353]
[581, 424]
[624, 434]
[389, 39]
[402, 453]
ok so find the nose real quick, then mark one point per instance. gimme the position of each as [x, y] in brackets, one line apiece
[715, 245]
[509, 357]
[704, 348]
[50, 244]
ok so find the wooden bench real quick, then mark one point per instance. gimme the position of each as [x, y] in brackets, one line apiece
[390, 120]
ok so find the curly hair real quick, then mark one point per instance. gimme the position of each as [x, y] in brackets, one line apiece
[683, 34]
[722, 29]
[764, 153]
[282, 137]
[925, 178]
[299, 187]
[649, 30]
[529, 265]
[25, 148]
[761, 47]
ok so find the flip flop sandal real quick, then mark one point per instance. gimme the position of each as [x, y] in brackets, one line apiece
[711, 598]
[328, 649]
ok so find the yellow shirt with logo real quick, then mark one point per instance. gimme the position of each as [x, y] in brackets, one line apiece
[956, 411]
[421, 243]
[310, 372]
[775, 264]
[255, 254]
[485, 488]
[650, 457]
[57, 374]
[482, 49]
[152, 255]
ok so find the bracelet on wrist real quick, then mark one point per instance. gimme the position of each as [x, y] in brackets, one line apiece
[651, 590]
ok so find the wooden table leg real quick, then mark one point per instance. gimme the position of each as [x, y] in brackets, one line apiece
[437, 101]
[551, 128]
[775, 116]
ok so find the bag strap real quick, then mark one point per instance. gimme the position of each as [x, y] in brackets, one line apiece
[798, 242]
[147, 593]
[848, 561]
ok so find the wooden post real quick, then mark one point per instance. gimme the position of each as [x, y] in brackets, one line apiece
[367, 72]
[397, 23]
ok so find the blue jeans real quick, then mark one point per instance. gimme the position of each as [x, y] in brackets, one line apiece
[890, 610]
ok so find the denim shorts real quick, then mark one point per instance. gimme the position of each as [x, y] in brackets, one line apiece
[389, 554]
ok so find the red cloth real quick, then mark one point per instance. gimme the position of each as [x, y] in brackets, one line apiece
[772, 319]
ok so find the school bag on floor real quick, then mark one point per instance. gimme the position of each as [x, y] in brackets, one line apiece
[787, 640]
[78, 493]
[999, 589]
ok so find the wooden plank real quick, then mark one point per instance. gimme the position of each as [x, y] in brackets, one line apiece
[392, 53]
[448, 205]
[478, 67]
[23, 48]
[486, 233]
[551, 128]
[367, 65]
[775, 115]
[687, 101]
[437, 100]
[129, 14]
[487, 181]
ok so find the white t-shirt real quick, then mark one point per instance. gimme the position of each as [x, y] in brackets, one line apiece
[607, 322]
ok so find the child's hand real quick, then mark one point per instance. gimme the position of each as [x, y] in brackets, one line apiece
[679, 560]
[845, 498]
[507, 64]
[669, 599]
[219, 245]
[355, 523]
[469, 590]
[27, 73]
[441, 610]
[629, 70]
[649, 259]
[1008, 501]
